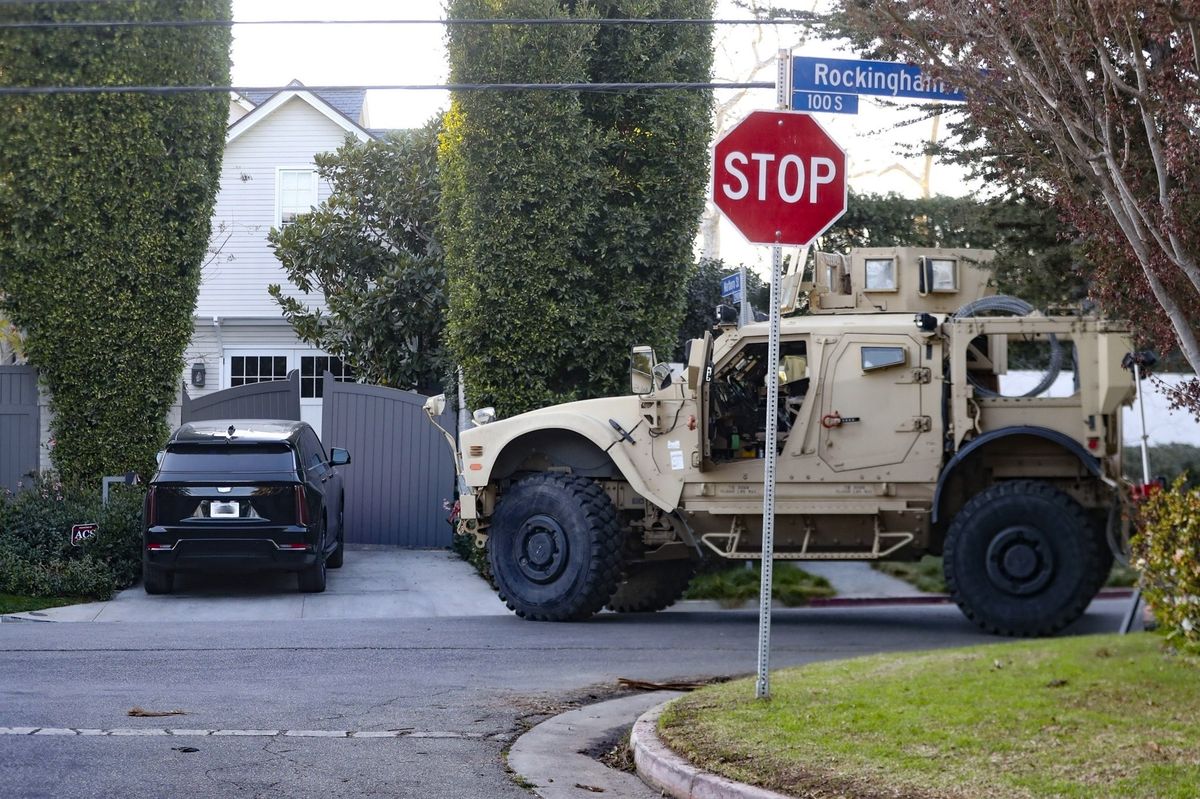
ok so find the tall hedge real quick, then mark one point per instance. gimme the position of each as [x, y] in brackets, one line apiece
[568, 217]
[105, 208]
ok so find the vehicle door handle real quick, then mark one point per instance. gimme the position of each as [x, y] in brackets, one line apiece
[835, 419]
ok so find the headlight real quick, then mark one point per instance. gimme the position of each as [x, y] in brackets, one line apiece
[484, 415]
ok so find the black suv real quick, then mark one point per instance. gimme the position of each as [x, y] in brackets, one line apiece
[244, 495]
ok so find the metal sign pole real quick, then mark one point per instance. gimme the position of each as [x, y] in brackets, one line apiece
[1137, 381]
[762, 687]
[744, 316]
[1135, 602]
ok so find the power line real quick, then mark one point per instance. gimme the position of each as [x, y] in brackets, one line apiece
[11, 91]
[489, 22]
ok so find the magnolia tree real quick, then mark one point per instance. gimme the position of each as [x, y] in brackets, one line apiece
[1092, 105]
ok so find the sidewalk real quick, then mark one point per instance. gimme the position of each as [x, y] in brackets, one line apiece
[374, 584]
[378, 583]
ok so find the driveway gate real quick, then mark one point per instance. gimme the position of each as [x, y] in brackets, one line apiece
[401, 472]
[276, 399]
[18, 425]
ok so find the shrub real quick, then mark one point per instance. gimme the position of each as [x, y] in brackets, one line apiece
[1168, 461]
[36, 555]
[734, 585]
[1167, 553]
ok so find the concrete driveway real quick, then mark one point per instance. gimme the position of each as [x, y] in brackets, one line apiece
[375, 583]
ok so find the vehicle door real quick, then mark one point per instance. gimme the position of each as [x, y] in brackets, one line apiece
[322, 478]
[872, 412]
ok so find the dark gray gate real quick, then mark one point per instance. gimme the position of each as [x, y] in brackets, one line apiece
[276, 399]
[402, 470]
[18, 425]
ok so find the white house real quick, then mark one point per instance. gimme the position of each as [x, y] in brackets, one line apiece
[267, 177]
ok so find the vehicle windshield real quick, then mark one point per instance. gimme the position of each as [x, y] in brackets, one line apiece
[228, 458]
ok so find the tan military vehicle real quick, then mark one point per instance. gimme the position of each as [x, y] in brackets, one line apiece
[895, 441]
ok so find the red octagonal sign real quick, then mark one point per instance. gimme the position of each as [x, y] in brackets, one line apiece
[779, 178]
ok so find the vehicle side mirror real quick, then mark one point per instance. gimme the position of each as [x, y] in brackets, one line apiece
[436, 405]
[338, 456]
[641, 370]
[158, 456]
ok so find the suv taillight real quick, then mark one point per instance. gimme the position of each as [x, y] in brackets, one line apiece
[152, 507]
[301, 507]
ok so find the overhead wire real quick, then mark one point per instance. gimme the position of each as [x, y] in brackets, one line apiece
[452, 87]
[471, 22]
[461, 87]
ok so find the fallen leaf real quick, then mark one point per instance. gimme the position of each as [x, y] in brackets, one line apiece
[139, 712]
[644, 685]
[187, 749]
[591, 788]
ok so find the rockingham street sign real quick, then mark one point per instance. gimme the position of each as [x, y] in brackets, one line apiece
[779, 178]
[843, 76]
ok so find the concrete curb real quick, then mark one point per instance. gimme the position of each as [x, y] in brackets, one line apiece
[662, 768]
[18, 617]
[550, 760]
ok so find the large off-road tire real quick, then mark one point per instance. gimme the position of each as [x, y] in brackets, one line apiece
[651, 586]
[555, 547]
[1021, 559]
[157, 580]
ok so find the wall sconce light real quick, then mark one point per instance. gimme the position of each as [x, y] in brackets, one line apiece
[198, 374]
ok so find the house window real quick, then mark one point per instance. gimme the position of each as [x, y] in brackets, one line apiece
[247, 369]
[297, 193]
[312, 374]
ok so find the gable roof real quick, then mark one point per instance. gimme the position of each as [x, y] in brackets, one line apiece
[342, 107]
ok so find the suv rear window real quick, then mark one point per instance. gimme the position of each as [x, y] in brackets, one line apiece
[228, 458]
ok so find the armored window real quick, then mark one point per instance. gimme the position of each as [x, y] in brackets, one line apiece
[881, 274]
[943, 274]
[883, 357]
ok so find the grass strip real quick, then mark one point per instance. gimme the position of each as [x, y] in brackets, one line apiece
[1099, 717]
[735, 585]
[15, 603]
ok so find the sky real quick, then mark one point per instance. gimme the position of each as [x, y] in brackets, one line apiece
[391, 54]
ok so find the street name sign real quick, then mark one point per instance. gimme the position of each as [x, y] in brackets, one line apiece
[825, 102]
[731, 286]
[878, 78]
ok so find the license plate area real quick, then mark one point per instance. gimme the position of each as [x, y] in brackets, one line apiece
[224, 509]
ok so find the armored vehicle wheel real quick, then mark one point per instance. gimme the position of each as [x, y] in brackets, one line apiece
[652, 586]
[1021, 558]
[555, 547]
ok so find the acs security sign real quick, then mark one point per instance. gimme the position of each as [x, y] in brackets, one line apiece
[779, 178]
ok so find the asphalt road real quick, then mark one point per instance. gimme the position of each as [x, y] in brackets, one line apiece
[450, 693]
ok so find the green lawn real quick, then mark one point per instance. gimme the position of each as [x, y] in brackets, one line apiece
[1096, 717]
[734, 585]
[13, 603]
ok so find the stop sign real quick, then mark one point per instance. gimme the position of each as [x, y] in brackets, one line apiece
[779, 178]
